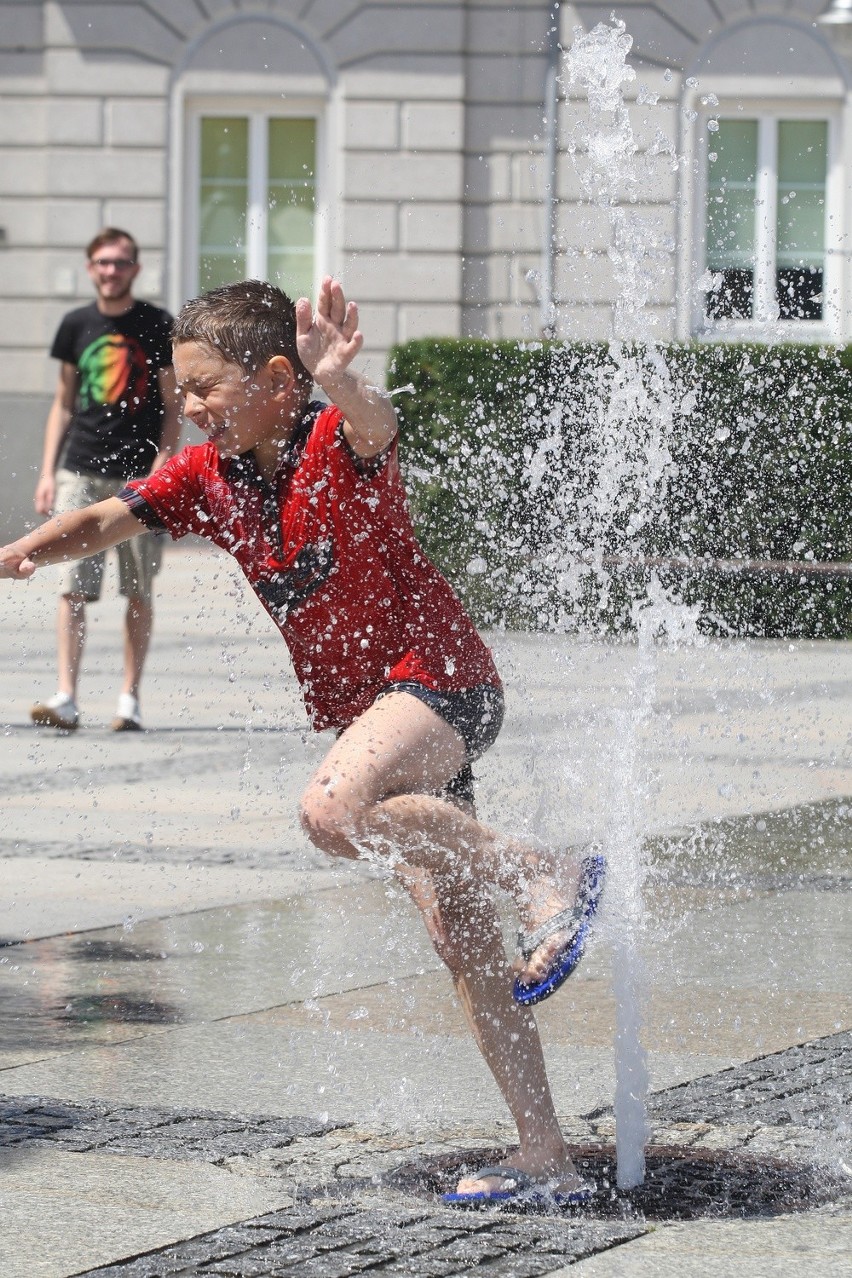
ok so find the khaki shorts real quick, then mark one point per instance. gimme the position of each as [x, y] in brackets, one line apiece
[138, 559]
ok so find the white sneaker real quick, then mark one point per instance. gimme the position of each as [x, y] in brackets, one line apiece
[59, 712]
[128, 716]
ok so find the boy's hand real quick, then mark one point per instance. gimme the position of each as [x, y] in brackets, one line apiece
[327, 339]
[15, 564]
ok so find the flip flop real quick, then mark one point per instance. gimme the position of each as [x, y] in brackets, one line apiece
[526, 1191]
[577, 921]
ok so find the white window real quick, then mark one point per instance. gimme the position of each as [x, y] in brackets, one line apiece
[766, 227]
[255, 209]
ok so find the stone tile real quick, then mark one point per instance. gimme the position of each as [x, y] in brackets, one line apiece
[584, 1015]
[49, 897]
[393, 176]
[67, 993]
[371, 1079]
[807, 1085]
[818, 1245]
[92, 1209]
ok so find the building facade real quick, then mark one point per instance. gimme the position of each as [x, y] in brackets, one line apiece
[431, 153]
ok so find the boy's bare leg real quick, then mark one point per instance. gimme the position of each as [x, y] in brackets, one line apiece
[70, 641]
[401, 749]
[465, 929]
[375, 791]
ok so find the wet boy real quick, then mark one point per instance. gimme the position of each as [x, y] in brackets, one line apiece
[308, 499]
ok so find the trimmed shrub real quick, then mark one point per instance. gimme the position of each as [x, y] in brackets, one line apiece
[544, 477]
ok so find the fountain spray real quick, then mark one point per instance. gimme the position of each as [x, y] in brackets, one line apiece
[628, 478]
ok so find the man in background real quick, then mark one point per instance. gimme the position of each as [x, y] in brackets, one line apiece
[114, 417]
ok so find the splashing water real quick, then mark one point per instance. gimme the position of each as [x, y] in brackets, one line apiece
[565, 538]
[622, 493]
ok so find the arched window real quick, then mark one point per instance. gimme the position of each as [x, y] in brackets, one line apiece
[250, 160]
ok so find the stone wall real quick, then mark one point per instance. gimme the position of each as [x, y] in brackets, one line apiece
[437, 170]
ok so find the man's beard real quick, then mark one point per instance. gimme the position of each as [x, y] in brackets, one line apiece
[117, 297]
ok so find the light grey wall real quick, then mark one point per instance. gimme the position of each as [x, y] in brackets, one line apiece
[437, 180]
[437, 196]
[23, 418]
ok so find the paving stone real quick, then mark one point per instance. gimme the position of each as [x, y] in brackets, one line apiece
[338, 1240]
[809, 1085]
[388, 1221]
[144, 1131]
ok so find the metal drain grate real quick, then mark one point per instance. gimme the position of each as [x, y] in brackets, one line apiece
[680, 1184]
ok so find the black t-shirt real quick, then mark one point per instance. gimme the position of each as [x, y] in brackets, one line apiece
[118, 415]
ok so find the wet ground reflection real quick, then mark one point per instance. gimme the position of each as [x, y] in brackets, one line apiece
[804, 846]
[120, 1008]
[70, 991]
[359, 961]
[112, 950]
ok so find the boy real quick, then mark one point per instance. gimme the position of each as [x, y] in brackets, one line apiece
[309, 501]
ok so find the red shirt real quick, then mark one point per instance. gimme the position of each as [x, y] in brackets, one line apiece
[330, 550]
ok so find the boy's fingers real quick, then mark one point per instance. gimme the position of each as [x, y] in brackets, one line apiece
[350, 323]
[337, 303]
[15, 572]
[356, 342]
[324, 297]
[304, 316]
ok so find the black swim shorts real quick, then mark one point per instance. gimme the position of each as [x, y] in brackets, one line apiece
[476, 714]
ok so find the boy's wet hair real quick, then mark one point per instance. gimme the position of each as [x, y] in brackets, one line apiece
[246, 323]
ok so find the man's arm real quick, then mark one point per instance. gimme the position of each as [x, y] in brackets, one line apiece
[171, 418]
[328, 340]
[58, 421]
[71, 536]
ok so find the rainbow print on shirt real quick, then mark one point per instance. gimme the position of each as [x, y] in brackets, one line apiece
[113, 369]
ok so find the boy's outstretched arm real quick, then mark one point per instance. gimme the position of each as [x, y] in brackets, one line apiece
[328, 340]
[71, 536]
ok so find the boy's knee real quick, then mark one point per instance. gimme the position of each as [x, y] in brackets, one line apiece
[327, 821]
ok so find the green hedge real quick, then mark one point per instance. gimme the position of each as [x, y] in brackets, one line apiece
[536, 470]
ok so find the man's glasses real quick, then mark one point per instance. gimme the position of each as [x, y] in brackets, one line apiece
[120, 263]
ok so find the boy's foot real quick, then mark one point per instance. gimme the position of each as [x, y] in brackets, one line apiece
[60, 711]
[567, 930]
[128, 717]
[505, 1184]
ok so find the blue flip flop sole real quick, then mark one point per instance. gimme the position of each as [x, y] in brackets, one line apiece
[530, 1199]
[588, 900]
[527, 1194]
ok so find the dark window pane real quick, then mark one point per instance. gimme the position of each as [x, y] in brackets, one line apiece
[799, 292]
[732, 297]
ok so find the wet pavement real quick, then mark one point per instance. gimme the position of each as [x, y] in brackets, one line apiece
[221, 1054]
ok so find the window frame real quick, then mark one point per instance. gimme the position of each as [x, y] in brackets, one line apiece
[764, 324]
[259, 109]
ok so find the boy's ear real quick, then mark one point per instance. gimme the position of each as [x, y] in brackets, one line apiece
[281, 375]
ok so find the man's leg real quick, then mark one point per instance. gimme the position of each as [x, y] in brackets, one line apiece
[138, 622]
[70, 642]
[80, 584]
[138, 564]
[60, 710]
